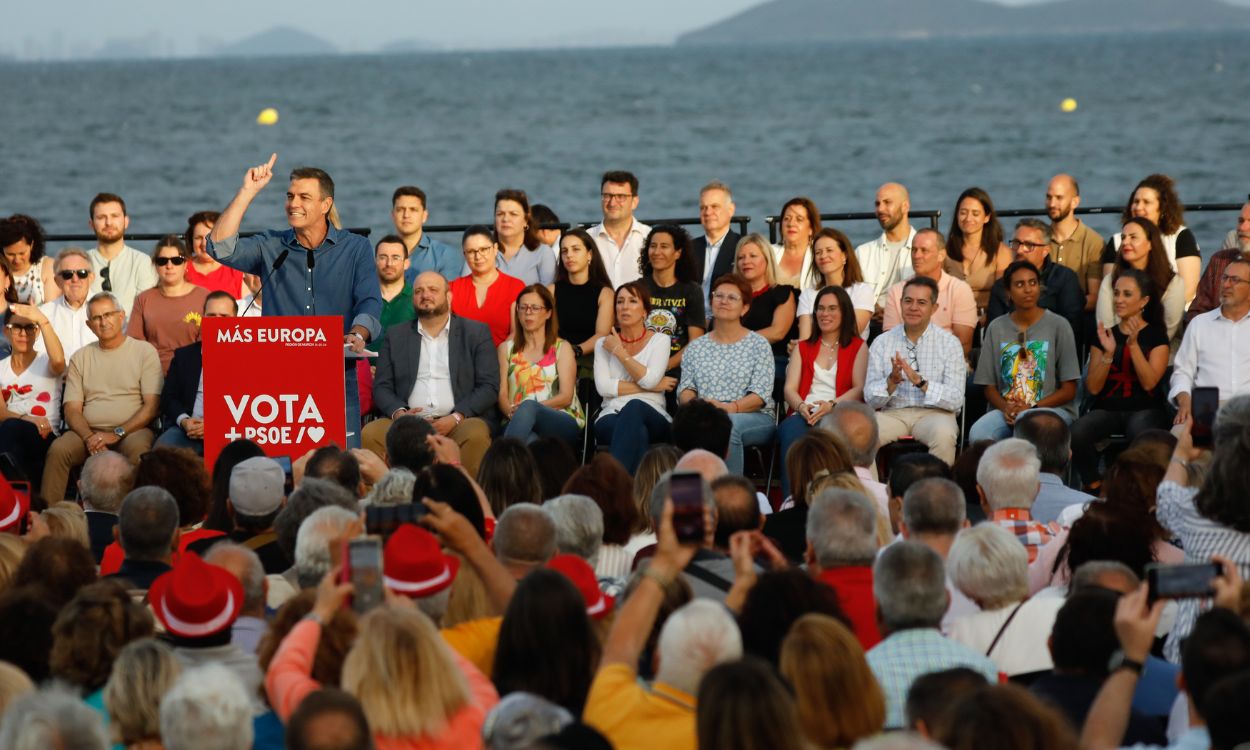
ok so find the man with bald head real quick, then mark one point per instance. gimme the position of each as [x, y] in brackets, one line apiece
[887, 260]
[1072, 243]
[1236, 247]
[440, 367]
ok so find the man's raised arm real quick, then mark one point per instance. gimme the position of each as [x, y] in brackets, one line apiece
[253, 182]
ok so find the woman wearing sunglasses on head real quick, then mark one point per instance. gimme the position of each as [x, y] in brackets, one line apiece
[30, 382]
[167, 316]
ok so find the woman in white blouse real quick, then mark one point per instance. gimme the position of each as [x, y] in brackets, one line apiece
[1141, 247]
[834, 264]
[629, 374]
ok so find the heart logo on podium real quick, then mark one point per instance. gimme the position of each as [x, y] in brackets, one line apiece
[316, 433]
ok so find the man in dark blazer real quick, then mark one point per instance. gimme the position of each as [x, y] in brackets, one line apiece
[182, 400]
[455, 388]
[713, 253]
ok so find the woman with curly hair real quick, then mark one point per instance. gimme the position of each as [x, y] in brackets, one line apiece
[1155, 200]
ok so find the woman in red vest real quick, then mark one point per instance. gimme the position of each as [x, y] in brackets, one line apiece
[827, 367]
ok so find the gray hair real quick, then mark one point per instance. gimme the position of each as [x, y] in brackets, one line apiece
[717, 185]
[434, 606]
[695, 638]
[938, 236]
[989, 565]
[841, 422]
[253, 578]
[312, 543]
[207, 709]
[68, 252]
[934, 505]
[579, 525]
[1039, 225]
[1008, 474]
[842, 528]
[1089, 575]
[105, 479]
[394, 488]
[909, 584]
[144, 671]
[310, 495]
[525, 535]
[101, 297]
[52, 717]
[659, 493]
[707, 463]
[520, 719]
[146, 523]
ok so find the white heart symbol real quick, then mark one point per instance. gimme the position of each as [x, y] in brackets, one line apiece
[316, 433]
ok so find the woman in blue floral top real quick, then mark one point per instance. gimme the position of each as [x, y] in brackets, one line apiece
[732, 369]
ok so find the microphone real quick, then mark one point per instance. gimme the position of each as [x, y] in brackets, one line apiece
[312, 278]
[277, 263]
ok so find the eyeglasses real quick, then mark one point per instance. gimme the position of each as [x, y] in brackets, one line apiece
[26, 328]
[1226, 279]
[1030, 246]
[615, 197]
[107, 285]
[912, 358]
[81, 273]
[99, 319]
[725, 297]
[527, 309]
[479, 251]
[177, 260]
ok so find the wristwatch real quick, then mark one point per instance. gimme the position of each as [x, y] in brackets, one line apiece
[921, 384]
[120, 432]
[1120, 661]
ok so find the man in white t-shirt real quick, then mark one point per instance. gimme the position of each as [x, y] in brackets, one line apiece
[119, 268]
[619, 237]
[68, 313]
[887, 260]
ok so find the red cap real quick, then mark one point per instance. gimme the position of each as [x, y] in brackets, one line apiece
[14, 506]
[414, 564]
[577, 570]
[196, 599]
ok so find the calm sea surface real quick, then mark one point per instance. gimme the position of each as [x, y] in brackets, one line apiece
[831, 122]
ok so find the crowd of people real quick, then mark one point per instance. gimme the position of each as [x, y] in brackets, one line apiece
[986, 443]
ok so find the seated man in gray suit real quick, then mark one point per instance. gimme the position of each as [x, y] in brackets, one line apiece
[440, 367]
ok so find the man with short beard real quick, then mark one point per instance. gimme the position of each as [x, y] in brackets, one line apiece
[887, 260]
[391, 256]
[1209, 286]
[1072, 242]
[119, 268]
[440, 367]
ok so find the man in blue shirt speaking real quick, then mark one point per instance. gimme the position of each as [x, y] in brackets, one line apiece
[332, 272]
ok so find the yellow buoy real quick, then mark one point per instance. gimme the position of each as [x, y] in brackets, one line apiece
[269, 116]
[1068, 105]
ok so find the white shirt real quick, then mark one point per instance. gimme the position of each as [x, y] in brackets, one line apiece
[70, 326]
[243, 305]
[621, 262]
[709, 262]
[779, 252]
[129, 273]
[432, 391]
[862, 298]
[1215, 351]
[1022, 647]
[609, 372]
[883, 267]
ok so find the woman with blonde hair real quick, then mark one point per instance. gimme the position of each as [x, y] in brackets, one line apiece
[144, 671]
[839, 700]
[742, 705]
[771, 313]
[655, 463]
[12, 550]
[67, 519]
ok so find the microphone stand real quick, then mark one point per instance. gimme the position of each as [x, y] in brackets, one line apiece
[277, 263]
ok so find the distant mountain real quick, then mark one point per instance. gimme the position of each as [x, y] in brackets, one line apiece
[788, 21]
[280, 41]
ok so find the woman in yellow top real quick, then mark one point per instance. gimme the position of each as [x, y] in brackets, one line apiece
[538, 373]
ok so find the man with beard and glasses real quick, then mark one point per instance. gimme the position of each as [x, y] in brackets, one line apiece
[332, 271]
[391, 256]
[119, 269]
[440, 367]
[1072, 242]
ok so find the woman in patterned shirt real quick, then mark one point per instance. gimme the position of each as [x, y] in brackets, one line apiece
[538, 373]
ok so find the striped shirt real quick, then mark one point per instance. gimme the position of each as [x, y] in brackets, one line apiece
[1201, 538]
[937, 356]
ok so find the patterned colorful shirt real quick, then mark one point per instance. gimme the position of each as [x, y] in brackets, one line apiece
[1032, 534]
[528, 381]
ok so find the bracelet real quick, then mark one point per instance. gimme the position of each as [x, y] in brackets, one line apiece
[661, 579]
[1180, 461]
[1107, 360]
[577, 350]
[314, 617]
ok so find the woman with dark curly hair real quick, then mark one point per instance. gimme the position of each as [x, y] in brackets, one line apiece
[800, 222]
[1155, 200]
[22, 242]
[677, 309]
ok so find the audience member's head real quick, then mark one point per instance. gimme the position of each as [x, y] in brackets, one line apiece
[1050, 437]
[26, 619]
[336, 465]
[964, 473]
[998, 716]
[244, 564]
[447, 484]
[406, 447]
[13, 683]
[909, 584]
[579, 526]
[694, 639]
[657, 461]
[990, 566]
[817, 453]
[183, 475]
[605, 481]
[507, 475]
[1105, 532]
[394, 488]
[92, 629]
[1104, 574]
[839, 700]
[207, 707]
[65, 520]
[856, 423]
[1131, 482]
[554, 463]
[676, 595]
[1158, 442]
[308, 497]
[933, 693]
[61, 566]
[933, 507]
[147, 524]
[336, 639]
[1218, 647]
[744, 704]
[841, 530]
[257, 492]
[312, 543]
[1083, 638]
[415, 565]
[53, 718]
[328, 719]
[778, 599]
[525, 538]
[1007, 476]
[1226, 717]
[105, 479]
[699, 424]
[143, 673]
[910, 468]
[12, 551]
[520, 720]
[737, 508]
[232, 455]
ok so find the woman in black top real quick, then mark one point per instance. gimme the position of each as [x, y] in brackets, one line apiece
[676, 296]
[583, 295]
[773, 306]
[1126, 367]
[1155, 199]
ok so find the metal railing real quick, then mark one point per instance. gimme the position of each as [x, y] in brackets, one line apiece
[148, 236]
[932, 216]
[742, 223]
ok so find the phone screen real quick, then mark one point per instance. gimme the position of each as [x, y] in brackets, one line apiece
[686, 489]
[364, 563]
[1181, 581]
[1203, 404]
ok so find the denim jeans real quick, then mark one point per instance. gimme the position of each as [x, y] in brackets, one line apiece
[750, 428]
[176, 437]
[992, 426]
[532, 420]
[631, 431]
[789, 431]
[353, 405]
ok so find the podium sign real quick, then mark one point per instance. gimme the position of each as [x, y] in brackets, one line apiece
[276, 381]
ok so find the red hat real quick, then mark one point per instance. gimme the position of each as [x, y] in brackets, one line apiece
[577, 570]
[413, 563]
[14, 506]
[196, 599]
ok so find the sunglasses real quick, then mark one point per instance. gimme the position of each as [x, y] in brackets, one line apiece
[81, 273]
[106, 285]
[177, 260]
[27, 328]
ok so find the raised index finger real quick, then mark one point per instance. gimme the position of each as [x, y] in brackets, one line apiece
[272, 158]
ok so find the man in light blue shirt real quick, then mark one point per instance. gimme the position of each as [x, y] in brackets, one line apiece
[332, 271]
[1050, 435]
[425, 253]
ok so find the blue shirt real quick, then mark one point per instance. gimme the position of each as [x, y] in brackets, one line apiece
[1053, 496]
[903, 656]
[431, 255]
[344, 275]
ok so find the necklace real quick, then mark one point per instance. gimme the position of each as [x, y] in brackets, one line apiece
[831, 348]
[632, 341]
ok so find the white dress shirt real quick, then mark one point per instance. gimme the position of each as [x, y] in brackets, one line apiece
[621, 262]
[1215, 351]
[709, 262]
[884, 267]
[432, 392]
[70, 326]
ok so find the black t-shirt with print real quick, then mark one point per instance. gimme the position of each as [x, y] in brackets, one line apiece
[674, 309]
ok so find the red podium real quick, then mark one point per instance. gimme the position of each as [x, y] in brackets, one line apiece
[276, 381]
